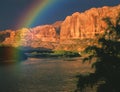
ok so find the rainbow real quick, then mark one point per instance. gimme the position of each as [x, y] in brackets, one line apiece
[37, 8]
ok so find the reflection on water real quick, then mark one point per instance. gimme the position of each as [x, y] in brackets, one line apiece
[41, 75]
[10, 55]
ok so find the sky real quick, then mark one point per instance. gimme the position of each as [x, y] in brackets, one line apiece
[11, 11]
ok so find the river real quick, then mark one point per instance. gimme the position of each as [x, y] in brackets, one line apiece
[42, 75]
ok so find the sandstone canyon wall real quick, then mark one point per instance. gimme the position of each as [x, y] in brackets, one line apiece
[33, 37]
[78, 29]
[87, 24]
[68, 34]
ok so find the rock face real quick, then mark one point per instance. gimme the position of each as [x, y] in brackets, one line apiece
[70, 33]
[87, 24]
[33, 37]
[45, 33]
[4, 35]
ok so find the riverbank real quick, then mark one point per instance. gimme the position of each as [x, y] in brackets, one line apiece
[53, 54]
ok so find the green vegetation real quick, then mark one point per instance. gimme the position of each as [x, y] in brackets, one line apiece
[60, 53]
[106, 77]
[66, 53]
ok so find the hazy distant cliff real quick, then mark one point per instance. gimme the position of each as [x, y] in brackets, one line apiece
[63, 34]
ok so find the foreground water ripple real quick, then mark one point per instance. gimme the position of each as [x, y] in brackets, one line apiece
[42, 75]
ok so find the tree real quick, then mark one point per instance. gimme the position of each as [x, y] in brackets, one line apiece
[107, 66]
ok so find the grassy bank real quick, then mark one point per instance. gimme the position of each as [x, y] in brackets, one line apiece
[60, 53]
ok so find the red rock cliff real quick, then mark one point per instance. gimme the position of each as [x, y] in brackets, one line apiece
[32, 37]
[73, 31]
[87, 24]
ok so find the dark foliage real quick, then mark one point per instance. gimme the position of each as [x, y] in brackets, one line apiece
[107, 67]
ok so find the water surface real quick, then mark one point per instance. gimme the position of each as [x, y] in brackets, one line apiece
[42, 75]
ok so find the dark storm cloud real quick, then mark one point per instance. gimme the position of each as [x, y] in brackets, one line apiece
[11, 10]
